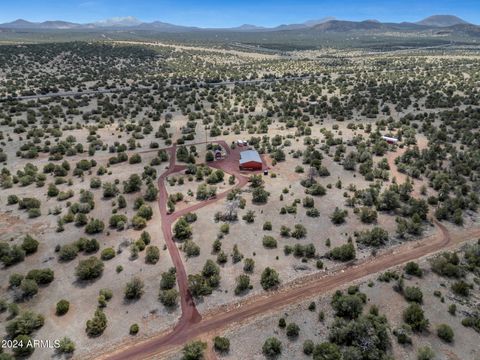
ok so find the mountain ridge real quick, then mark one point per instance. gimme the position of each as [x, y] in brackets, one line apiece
[327, 24]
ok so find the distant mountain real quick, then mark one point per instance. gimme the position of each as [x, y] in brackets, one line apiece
[442, 21]
[24, 24]
[118, 22]
[438, 23]
[310, 23]
[342, 26]
[248, 27]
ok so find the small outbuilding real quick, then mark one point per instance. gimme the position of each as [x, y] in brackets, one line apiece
[390, 140]
[250, 160]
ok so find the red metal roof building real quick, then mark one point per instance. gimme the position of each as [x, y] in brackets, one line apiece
[250, 160]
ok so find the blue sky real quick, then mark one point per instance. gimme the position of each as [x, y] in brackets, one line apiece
[228, 13]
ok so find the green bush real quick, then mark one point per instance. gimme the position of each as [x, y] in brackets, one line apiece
[414, 294]
[68, 252]
[344, 252]
[292, 330]
[25, 346]
[95, 226]
[62, 307]
[134, 288]
[221, 344]
[152, 255]
[269, 242]
[445, 333]
[168, 297]
[41, 276]
[134, 329]
[15, 279]
[272, 347]
[308, 347]
[194, 350]
[269, 278]
[425, 353]
[107, 253]
[66, 346]
[414, 316]
[89, 269]
[412, 268]
[29, 244]
[97, 325]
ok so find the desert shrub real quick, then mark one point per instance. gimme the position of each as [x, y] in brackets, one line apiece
[461, 288]
[90, 268]
[316, 190]
[116, 219]
[191, 248]
[242, 284]
[248, 265]
[95, 226]
[29, 288]
[414, 294]
[269, 242]
[412, 268]
[425, 353]
[66, 346]
[29, 244]
[25, 346]
[134, 328]
[97, 325]
[15, 279]
[182, 229]
[11, 255]
[344, 252]
[347, 306]
[168, 280]
[375, 237]
[338, 216]
[368, 215]
[269, 278]
[249, 217]
[24, 324]
[153, 254]
[292, 330]
[221, 344]
[168, 297]
[134, 288]
[299, 231]
[62, 307]
[447, 264]
[260, 195]
[414, 316]
[194, 350]
[308, 347]
[68, 252]
[445, 333]
[328, 351]
[107, 253]
[272, 347]
[139, 222]
[41, 276]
